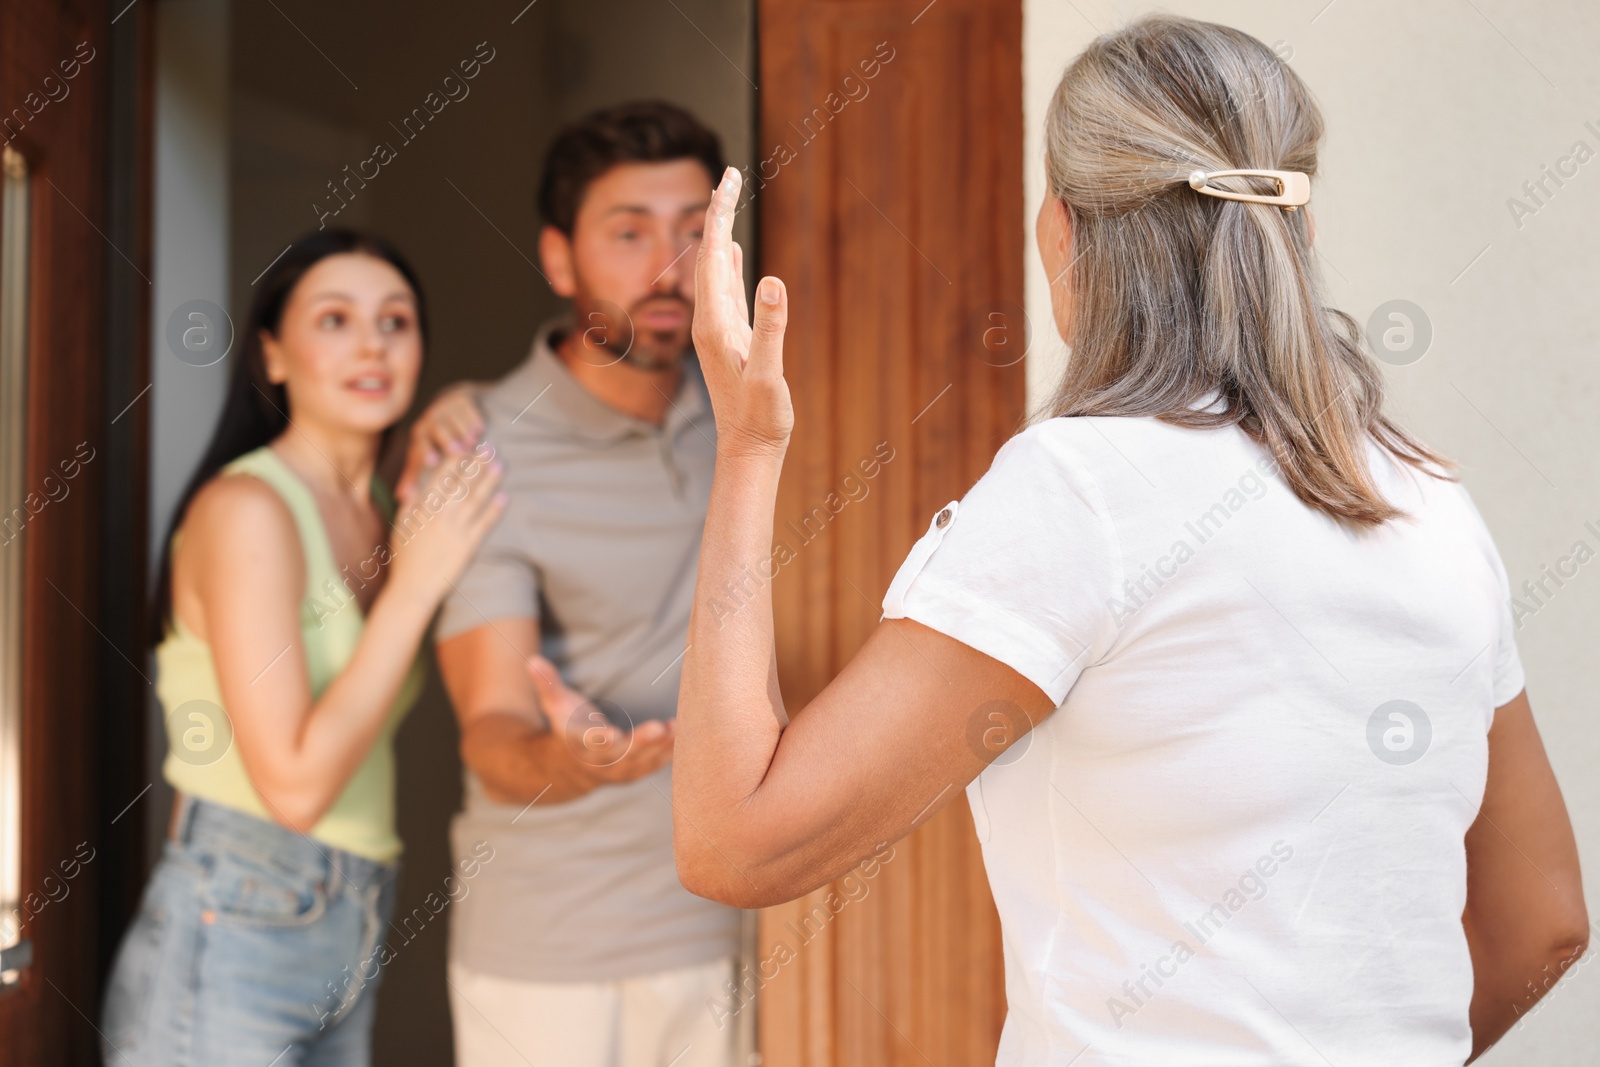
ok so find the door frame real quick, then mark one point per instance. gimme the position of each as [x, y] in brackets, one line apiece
[78, 71]
[892, 207]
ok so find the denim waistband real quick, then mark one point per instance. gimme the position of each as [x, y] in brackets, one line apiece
[210, 826]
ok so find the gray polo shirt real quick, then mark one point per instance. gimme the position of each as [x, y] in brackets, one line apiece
[600, 543]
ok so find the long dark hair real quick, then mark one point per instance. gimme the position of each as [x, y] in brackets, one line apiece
[255, 410]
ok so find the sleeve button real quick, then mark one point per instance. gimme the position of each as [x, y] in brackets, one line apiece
[942, 519]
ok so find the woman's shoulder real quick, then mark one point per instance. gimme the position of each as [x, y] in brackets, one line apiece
[1049, 436]
[1052, 464]
[264, 466]
[242, 513]
[1077, 446]
[1093, 433]
[238, 540]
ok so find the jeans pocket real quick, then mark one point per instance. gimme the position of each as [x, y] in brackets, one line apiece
[252, 890]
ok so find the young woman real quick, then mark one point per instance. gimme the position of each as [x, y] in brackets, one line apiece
[288, 623]
[1283, 801]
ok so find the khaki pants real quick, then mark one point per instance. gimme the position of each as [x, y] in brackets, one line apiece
[652, 1020]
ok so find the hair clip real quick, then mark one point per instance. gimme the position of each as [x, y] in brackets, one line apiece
[1294, 187]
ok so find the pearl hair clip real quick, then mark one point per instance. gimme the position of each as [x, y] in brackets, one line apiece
[1294, 187]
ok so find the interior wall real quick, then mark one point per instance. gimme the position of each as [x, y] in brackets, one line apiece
[1437, 115]
[315, 88]
[190, 262]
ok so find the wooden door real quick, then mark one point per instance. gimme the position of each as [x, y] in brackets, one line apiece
[889, 189]
[70, 654]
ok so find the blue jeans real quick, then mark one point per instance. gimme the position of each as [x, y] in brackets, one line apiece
[253, 945]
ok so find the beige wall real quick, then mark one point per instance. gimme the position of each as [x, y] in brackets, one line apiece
[1436, 117]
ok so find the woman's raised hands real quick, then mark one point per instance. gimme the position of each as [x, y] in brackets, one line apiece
[450, 426]
[443, 517]
[742, 361]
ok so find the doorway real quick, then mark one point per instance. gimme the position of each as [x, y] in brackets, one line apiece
[882, 150]
[427, 125]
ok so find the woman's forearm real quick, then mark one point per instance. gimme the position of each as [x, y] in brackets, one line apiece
[1510, 976]
[344, 723]
[1525, 921]
[729, 709]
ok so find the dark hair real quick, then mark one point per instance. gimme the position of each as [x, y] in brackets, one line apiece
[255, 410]
[646, 131]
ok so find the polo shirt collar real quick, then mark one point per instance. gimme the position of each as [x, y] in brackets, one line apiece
[563, 401]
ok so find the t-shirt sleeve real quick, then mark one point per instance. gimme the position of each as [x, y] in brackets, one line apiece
[1022, 568]
[502, 581]
[1507, 678]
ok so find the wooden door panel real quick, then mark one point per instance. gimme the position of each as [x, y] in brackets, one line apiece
[54, 74]
[896, 220]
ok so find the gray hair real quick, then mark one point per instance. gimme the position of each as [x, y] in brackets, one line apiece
[1176, 295]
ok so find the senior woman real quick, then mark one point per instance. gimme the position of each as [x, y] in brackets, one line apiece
[1284, 801]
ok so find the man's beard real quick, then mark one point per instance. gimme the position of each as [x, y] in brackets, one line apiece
[656, 350]
[613, 337]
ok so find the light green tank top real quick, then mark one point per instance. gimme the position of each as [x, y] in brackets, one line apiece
[202, 759]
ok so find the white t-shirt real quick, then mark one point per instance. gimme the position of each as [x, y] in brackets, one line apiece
[1238, 840]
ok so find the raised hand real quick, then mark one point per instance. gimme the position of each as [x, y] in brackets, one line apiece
[742, 362]
[440, 523]
[606, 754]
[449, 426]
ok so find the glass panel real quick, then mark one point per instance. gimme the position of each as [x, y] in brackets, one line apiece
[14, 219]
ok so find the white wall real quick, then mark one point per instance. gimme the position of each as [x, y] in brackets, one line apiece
[1437, 112]
[191, 232]
[190, 257]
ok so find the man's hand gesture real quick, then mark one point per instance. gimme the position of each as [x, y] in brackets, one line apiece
[606, 754]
